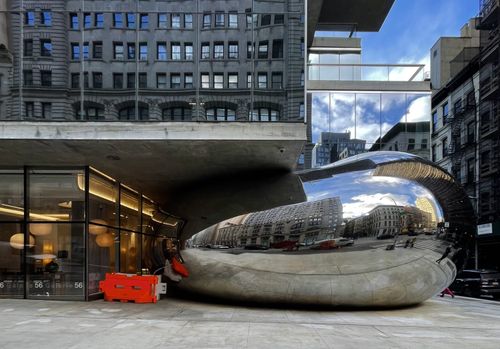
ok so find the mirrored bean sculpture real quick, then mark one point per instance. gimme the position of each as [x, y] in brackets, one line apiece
[378, 229]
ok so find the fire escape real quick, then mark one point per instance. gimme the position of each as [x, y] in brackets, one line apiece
[489, 112]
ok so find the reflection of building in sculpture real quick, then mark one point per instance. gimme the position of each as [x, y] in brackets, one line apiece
[410, 137]
[426, 205]
[305, 222]
[390, 220]
[334, 146]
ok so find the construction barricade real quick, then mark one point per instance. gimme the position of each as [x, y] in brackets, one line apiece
[132, 288]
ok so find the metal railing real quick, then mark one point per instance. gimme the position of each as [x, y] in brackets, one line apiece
[366, 72]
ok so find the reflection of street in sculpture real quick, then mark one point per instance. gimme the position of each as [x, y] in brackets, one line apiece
[330, 249]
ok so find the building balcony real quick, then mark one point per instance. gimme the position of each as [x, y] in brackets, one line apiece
[488, 14]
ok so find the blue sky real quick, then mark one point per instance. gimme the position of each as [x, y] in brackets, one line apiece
[413, 26]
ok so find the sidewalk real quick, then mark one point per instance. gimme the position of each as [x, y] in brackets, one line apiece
[175, 323]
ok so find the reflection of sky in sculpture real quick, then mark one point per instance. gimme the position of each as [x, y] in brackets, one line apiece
[373, 116]
[378, 157]
[368, 192]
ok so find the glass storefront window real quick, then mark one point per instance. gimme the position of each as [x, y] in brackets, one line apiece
[11, 259]
[103, 196]
[130, 250]
[129, 210]
[56, 261]
[57, 195]
[148, 210]
[11, 196]
[103, 243]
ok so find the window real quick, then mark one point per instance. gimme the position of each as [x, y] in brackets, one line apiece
[302, 47]
[433, 155]
[265, 114]
[129, 113]
[87, 20]
[445, 147]
[249, 50]
[75, 51]
[262, 80]
[218, 50]
[188, 80]
[144, 21]
[131, 20]
[75, 80]
[28, 77]
[302, 111]
[73, 20]
[205, 80]
[97, 54]
[117, 80]
[188, 21]
[302, 78]
[162, 20]
[470, 170]
[265, 20]
[46, 110]
[99, 20]
[434, 121]
[46, 78]
[46, 17]
[131, 50]
[232, 79]
[143, 51]
[86, 50]
[118, 50]
[207, 20]
[411, 144]
[161, 51]
[249, 80]
[28, 48]
[86, 80]
[218, 80]
[445, 113]
[233, 20]
[118, 20]
[143, 80]
[279, 19]
[175, 80]
[45, 47]
[97, 80]
[423, 145]
[205, 50]
[161, 80]
[29, 109]
[278, 48]
[470, 132]
[219, 19]
[29, 18]
[471, 99]
[262, 54]
[176, 113]
[277, 80]
[176, 21]
[188, 51]
[176, 51]
[130, 80]
[233, 50]
[248, 18]
[457, 107]
[220, 114]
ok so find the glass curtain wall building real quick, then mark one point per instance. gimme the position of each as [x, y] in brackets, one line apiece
[157, 60]
[61, 230]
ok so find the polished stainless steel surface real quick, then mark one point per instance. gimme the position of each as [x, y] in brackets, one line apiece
[372, 232]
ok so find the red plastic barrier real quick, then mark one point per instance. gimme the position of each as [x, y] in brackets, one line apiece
[129, 287]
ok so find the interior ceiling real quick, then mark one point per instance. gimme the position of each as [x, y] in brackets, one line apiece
[363, 15]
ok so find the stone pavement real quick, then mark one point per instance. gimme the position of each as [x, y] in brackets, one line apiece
[178, 323]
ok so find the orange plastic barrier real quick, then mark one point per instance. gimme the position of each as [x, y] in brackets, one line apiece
[130, 287]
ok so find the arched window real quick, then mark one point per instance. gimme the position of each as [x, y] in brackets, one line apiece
[178, 113]
[264, 114]
[128, 113]
[220, 114]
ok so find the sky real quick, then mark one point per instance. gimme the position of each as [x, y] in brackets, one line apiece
[413, 26]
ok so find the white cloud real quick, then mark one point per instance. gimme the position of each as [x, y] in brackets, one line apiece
[419, 110]
[364, 203]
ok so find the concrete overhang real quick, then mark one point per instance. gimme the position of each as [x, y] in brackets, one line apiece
[359, 86]
[201, 172]
[343, 15]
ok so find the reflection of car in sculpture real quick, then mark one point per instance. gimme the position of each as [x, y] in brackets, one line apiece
[344, 200]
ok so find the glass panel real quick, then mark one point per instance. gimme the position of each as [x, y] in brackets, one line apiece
[11, 196]
[103, 242]
[129, 252]
[368, 114]
[57, 195]
[103, 205]
[55, 262]
[129, 210]
[11, 258]
[148, 209]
